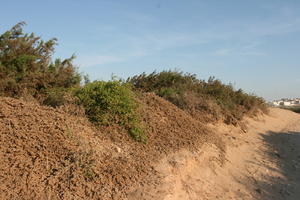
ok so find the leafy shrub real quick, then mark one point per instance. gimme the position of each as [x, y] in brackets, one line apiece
[171, 85]
[234, 103]
[54, 97]
[191, 94]
[26, 63]
[111, 102]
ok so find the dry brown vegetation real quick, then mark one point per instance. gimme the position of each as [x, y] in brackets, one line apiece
[210, 98]
[46, 153]
[27, 69]
[49, 149]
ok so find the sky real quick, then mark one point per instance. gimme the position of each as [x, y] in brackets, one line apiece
[253, 44]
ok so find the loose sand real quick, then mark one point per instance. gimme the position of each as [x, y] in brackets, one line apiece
[262, 162]
[48, 153]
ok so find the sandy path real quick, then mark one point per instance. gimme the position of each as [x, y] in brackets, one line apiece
[263, 163]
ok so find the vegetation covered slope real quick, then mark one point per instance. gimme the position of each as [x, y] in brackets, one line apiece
[200, 97]
[27, 70]
[50, 150]
[46, 153]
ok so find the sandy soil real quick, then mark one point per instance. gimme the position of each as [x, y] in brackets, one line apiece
[48, 153]
[262, 162]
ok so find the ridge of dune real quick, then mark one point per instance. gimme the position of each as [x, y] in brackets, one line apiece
[261, 163]
[48, 153]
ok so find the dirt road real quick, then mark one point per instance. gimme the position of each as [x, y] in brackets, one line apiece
[261, 163]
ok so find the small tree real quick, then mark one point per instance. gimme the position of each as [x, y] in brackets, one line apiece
[26, 65]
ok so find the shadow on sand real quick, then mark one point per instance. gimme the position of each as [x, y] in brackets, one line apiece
[283, 149]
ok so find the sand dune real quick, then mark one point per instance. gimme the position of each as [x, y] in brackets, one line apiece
[47, 153]
[261, 163]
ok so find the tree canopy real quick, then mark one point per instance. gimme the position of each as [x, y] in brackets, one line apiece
[26, 65]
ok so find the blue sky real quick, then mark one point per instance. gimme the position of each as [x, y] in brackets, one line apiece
[254, 44]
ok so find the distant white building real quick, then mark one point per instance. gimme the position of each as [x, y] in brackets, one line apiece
[287, 102]
[277, 103]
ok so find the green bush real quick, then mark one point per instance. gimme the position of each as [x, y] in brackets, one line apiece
[234, 103]
[111, 102]
[27, 69]
[26, 64]
[54, 97]
[190, 93]
[171, 85]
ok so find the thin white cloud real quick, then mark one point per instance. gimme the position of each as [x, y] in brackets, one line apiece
[96, 60]
[227, 38]
[250, 49]
[241, 33]
[272, 28]
[93, 60]
[149, 44]
[223, 52]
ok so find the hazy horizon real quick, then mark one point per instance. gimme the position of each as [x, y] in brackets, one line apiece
[252, 44]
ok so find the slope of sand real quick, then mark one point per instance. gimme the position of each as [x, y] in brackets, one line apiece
[262, 162]
[48, 153]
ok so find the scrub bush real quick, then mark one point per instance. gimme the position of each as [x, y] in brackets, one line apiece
[111, 102]
[191, 94]
[26, 65]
